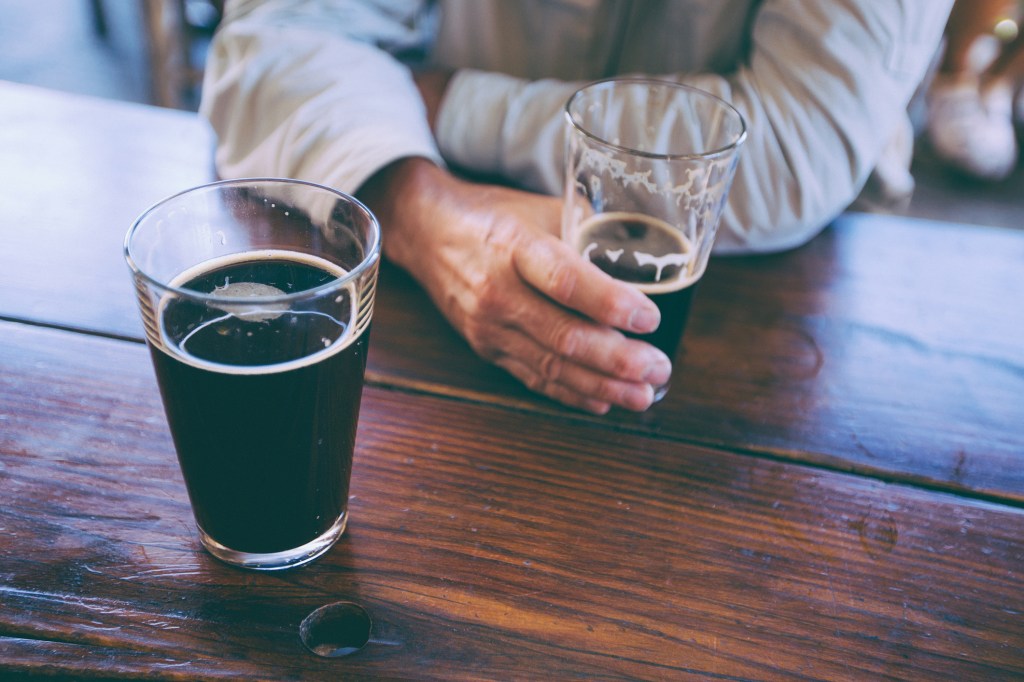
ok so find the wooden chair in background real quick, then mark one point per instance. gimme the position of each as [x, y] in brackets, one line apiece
[176, 35]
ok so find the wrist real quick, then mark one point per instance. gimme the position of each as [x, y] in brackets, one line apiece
[405, 195]
[432, 84]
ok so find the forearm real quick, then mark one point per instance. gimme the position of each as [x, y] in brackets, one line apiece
[408, 196]
[826, 84]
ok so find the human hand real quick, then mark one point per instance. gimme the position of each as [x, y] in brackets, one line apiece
[491, 261]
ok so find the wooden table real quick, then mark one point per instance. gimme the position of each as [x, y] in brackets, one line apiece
[833, 489]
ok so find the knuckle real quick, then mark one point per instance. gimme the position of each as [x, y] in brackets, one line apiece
[630, 365]
[614, 308]
[537, 383]
[562, 282]
[626, 364]
[566, 338]
[478, 332]
[480, 337]
[628, 360]
[501, 233]
[550, 367]
[476, 277]
[486, 300]
[618, 308]
[605, 390]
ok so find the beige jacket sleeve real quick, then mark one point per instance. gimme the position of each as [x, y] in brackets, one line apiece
[310, 90]
[826, 84]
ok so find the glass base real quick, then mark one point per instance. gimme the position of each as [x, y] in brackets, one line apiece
[659, 393]
[276, 561]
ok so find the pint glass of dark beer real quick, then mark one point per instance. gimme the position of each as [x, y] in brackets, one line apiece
[256, 297]
[648, 167]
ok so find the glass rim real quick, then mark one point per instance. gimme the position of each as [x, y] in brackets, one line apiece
[370, 258]
[672, 85]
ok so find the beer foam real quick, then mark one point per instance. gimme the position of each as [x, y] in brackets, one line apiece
[258, 311]
[690, 267]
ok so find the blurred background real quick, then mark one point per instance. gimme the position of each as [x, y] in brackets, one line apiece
[152, 52]
[146, 51]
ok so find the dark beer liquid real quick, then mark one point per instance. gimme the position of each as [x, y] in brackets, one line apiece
[263, 406]
[642, 251]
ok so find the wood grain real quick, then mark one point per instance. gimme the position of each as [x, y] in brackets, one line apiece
[486, 543]
[888, 346]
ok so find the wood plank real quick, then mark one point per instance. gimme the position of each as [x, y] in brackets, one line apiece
[887, 346]
[485, 543]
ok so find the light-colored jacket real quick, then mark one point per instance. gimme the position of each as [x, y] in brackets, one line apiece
[321, 90]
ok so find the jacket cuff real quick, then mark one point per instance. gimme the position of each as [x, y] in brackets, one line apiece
[471, 118]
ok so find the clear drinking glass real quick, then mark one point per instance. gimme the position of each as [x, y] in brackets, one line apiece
[648, 168]
[257, 297]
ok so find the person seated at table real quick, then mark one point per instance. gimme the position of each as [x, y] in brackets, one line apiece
[399, 101]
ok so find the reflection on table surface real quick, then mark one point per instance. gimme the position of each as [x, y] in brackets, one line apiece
[831, 490]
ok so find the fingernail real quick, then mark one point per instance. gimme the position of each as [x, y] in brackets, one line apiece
[644, 320]
[659, 369]
[638, 400]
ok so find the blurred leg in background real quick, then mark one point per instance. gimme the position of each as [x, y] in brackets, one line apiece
[971, 100]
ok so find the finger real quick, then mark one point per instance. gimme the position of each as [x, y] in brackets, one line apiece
[563, 334]
[559, 377]
[562, 394]
[556, 270]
